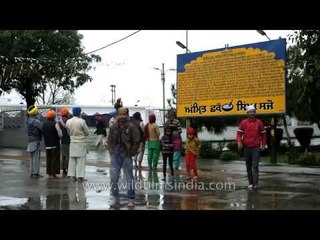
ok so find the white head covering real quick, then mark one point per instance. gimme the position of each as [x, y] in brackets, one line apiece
[250, 108]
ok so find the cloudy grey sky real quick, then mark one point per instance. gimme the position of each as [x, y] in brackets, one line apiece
[129, 64]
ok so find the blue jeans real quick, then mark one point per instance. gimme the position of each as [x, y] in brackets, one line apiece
[118, 162]
[252, 156]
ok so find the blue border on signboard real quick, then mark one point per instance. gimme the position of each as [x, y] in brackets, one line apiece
[276, 46]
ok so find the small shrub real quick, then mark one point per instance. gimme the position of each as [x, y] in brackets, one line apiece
[283, 148]
[309, 159]
[221, 145]
[206, 150]
[293, 155]
[233, 146]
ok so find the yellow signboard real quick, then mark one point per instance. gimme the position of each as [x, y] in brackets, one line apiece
[225, 82]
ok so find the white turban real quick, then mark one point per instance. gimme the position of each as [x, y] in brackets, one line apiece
[250, 108]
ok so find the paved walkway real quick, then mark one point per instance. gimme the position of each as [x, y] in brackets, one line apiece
[221, 185]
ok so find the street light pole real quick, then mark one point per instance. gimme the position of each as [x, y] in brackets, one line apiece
[163, 80]
[187, 42]
[113, 93]
[273, 127]
[263, 33]
[183, 46]
[163, 94]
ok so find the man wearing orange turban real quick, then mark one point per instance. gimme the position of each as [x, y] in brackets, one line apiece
[65, 140]
[52, 134]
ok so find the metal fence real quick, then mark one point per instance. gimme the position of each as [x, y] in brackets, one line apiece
[17, 117]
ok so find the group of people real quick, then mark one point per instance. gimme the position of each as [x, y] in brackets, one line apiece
[126, 142]
[68, 132]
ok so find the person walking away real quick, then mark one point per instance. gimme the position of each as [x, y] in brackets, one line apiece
[78, 130]
[34, 127]
[101, 131]
[118, 104]
[167, 151]
[191, 152]
[152, 134]
[112, 120]
[52, 134]
[138, 122]
[65, 141]
[251, 136]
[123, 143]
[177, 144]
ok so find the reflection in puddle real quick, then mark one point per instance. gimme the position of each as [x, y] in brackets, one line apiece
[11, 201]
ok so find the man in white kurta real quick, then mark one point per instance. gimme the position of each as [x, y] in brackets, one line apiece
[78, 131]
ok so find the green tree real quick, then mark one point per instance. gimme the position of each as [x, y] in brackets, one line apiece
[31, 60]
[304, 76]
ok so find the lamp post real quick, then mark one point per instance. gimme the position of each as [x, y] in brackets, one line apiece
[263, 33]
[184, 46]
[273, 127]
[113, 93]
[163, 89]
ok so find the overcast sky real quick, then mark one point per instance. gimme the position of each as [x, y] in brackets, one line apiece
[129, 64]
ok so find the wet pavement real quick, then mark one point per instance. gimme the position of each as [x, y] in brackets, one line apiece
[221, 186]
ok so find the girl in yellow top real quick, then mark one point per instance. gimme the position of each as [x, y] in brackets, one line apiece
[191, 152]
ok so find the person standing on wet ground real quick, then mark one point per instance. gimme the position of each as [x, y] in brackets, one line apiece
[101, 130]
[138, 122]
[177, 144]
[113, 115]
[175, 125]
[111, 122]
[251, 136]
[78, 130]
[123, 143]
[34, 127]
[173, 122]
[52, 134]
[167, 151]
[152, 134]
[191, 152]
[118, 104]
[65, 140]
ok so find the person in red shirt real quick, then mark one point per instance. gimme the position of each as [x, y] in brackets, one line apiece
[251, 136]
